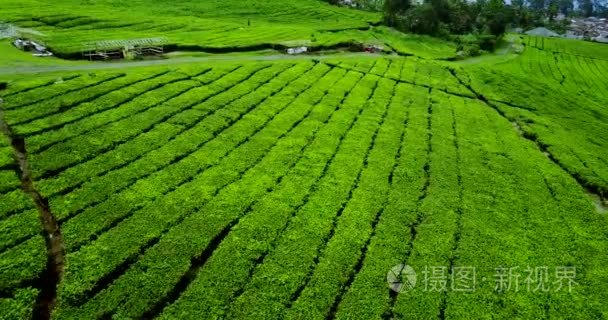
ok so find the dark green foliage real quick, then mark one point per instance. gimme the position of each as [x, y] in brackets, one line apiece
[493, 17]
[393, 9]
[19, 306]
[421, 19]
[443, 18]
[586, 7]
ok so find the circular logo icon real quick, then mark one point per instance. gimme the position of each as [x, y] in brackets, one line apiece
[401, 278]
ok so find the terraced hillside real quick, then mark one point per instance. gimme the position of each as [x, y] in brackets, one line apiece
[70, 26]
[269, 190]
[210, 25]
[561, 107]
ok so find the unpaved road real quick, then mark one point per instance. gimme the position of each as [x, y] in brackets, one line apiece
[172, 61]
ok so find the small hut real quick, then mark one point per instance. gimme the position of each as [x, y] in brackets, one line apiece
[119, 49]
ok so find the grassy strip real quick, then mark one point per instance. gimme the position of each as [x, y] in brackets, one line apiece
[22, 264]
[438, 77]
[58, 158]
[61, 120]
[119, 157]
[90, 223]
[107, 102]
[439, 212]
[418, 72]
[177, 148]
[6, 159]
[215, 74]
[237, 200]
[59, 88]
[366, 66]
[560, 124]
[394, 70]
[21, 87]
[488, 201]
[554, 227]
[228, 205]
[13, 202]
[381, 66]
[355, 226]
[107, 83]
[8, 178]
[26, 224]
[147, 225]
[19, 306]
[62, 156]
[298, 247]
[19, 227]
[388, 246]
[45, 140]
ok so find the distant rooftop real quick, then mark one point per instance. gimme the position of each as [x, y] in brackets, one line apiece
[543, 32]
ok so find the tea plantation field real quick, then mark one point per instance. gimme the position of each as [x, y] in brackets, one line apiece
[211, 26]
[221, 25]
[289, 189]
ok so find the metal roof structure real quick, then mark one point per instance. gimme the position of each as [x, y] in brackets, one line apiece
[126, 43]
[7, 31]
[543, 32]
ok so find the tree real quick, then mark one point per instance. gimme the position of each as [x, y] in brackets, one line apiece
[421, 19]
[393, 9]
[461, 17]
[587, 7]
[519, 13]
[552, 10]
[441, 8]
[487, 19]
[373, 5]
[601, 8]
[537, 5]
[566, 7]
[494, 17]
[517, 4]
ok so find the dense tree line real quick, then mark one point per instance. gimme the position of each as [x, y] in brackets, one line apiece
[526, 11]
[481, 17]
[485, 20]
[444, 17]
[479, 25]
[533, 13]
